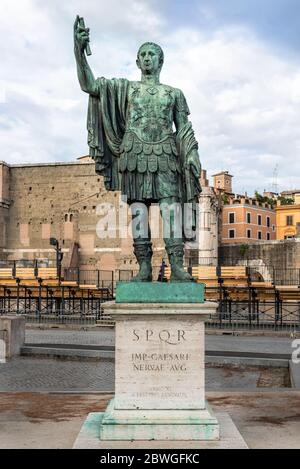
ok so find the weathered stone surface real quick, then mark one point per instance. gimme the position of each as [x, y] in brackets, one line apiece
[88, 438]
[155, 361]
[159, 292]
[159, 373]
[13, 329]
[46, 198]
[159, 424]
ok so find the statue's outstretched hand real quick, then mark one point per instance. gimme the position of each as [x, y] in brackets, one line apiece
[81, 36]
[193, 163]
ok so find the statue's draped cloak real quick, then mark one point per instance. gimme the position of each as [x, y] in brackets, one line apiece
[106, 124]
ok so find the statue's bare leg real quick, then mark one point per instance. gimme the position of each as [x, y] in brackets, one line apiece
[170, 210]
[142, 246]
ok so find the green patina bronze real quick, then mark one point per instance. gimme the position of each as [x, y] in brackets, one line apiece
[131, 139]
[159, 292]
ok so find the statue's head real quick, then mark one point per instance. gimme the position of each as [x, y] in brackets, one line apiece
[150, 58]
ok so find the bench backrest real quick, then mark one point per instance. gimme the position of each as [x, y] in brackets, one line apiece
[6, 273]
[47, 272]
[234, 272]
[205, 272]
[25, 273]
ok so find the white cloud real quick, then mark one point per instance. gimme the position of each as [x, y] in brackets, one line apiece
[244, 98]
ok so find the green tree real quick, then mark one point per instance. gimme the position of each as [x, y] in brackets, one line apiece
[263, 199]
[286, 200]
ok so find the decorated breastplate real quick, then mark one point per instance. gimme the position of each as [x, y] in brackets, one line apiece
[150, 111]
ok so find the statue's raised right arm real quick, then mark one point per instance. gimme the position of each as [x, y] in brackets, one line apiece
[84, 72]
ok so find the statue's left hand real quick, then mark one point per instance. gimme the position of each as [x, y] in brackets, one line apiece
[193, 163]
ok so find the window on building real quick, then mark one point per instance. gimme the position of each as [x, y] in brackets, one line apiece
[71, 217]
[259, 219]
[66, 217]
[273, 228]
[268, 222]
[289, 220]
[231, 217]
[259, 235]
[268, 236]
[231, 234]
[248, 234]
[248, 217]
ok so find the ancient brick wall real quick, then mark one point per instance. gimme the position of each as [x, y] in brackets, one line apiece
[60, 200]
[4, 207]
[280, 256]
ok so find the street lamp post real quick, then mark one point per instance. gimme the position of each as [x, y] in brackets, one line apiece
[59, 256]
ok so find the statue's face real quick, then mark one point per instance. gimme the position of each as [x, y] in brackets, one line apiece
[148, 60]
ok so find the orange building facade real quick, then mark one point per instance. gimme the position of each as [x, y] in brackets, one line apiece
[245, 220]
[288, 219]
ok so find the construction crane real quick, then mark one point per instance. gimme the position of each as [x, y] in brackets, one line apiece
[275, 179]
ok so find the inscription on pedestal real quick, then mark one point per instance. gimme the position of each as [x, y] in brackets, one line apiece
[160, 366]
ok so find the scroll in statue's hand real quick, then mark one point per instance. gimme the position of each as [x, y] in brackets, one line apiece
[81, 35]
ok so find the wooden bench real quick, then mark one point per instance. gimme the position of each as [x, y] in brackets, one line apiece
[69, 283]
[288, 292]
[234, 276]
[25, 273]
[167, 273]
[47, 273]
[6, 273]
[263, 291]
[8, 282]
[262, 284]
[206, 274]
[50, 282]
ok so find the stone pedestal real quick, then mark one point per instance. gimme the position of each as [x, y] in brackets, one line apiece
[12, 333]
[159, 369]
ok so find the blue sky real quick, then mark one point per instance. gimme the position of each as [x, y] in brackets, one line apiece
[276, 21]
[237, 61]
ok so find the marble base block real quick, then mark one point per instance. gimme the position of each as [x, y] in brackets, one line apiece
[159, 424]
[159, 369]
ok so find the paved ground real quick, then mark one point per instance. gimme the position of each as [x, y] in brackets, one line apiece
[44, 374]
[27, 374]
[265, 420]
[39, 420]
[106, 336]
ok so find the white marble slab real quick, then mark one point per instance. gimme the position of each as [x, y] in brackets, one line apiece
[160, 363]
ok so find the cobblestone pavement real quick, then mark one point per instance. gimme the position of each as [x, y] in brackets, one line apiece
[103, 336]
[50, 374]
[27, 374]
[43, 374]
[106, 336]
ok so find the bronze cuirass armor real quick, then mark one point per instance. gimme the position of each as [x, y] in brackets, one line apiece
[148, 148]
